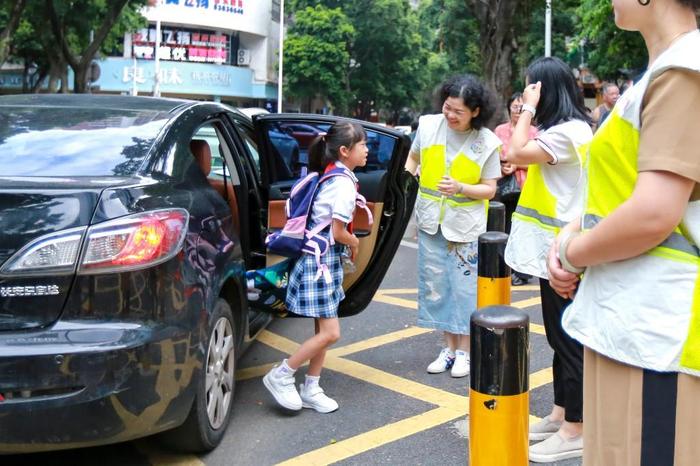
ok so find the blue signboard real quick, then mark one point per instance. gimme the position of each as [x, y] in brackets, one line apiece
[119, 74]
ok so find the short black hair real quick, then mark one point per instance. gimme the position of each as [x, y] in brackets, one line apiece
[513, 98]
[474, 95]
[560, 99]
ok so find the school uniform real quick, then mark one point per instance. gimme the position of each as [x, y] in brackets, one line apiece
[308, 293]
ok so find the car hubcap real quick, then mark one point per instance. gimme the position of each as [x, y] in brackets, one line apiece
[219, 378]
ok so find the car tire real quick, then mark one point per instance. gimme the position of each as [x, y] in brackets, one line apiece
[204, 428]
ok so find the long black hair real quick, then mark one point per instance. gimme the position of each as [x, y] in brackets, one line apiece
[560, 99]
[474, 95]
[325, 148]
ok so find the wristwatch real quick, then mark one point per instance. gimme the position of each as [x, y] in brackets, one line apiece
[528, 108]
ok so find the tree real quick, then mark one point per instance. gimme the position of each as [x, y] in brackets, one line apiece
[317, 55]
[386, 70]
[16, 7]
[80, 36]
[496, 19]
[610, 50]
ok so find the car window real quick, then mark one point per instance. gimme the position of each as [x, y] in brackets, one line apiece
[247, 136]
[291, 141]
[210, 135]
[55, 141]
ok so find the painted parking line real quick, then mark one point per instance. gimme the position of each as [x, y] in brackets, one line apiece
[160, 457]
[386, 296]
[449, 406]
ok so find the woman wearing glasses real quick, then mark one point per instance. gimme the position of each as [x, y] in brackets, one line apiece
[513, 176]
[459, 166]
[637, 309]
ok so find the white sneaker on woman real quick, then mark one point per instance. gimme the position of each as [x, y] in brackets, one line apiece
[444, 362]
[461, 365]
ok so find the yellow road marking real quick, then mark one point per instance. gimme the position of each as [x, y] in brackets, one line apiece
[374, 438]
[537, 328]
[527, 302]
[259, 371]
[158, 457]
[526, 288]
[398, 291]
[380, 340]
[407, 303]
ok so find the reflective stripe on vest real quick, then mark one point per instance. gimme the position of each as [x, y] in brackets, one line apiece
[667, 289]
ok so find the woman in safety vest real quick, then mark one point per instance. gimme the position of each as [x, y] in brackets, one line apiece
[459, 166]
[637, 307]
[550, 199]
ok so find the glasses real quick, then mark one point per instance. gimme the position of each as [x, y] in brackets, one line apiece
[516, 108]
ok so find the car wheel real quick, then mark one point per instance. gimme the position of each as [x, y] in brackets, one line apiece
[211, 410]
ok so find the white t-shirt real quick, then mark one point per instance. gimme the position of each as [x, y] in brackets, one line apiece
[561, 142]
[335, 199]
[455, 140]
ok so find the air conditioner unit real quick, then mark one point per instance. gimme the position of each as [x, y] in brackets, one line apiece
[243, 57]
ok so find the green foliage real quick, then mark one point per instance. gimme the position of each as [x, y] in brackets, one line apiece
[316, 55]
[609, 49]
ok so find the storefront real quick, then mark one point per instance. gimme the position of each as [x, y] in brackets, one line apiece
[224, 50]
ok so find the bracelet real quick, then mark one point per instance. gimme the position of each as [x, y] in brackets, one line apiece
[528, 108]
[564, 241]
[459, 191]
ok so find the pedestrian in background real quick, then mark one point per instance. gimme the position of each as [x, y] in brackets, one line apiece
[610, 93]
[637, 309]
[458, 158]
[512, 176]
[308, 293]
[551, 198]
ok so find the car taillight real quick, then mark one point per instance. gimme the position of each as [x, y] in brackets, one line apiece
[55, 253]
[127, 243]
[134, 242]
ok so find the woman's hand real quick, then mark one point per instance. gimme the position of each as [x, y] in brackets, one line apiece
[531, 94]
[562, 281]
[449, 186]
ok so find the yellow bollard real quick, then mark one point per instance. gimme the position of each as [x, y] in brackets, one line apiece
[493, 281]
[496, 218]
[498, 395]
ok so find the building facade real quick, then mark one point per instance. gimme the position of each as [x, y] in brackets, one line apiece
[222, 50]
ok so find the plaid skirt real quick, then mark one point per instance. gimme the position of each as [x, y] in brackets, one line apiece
[309, 297]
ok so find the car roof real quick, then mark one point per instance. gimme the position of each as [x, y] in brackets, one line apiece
[105, 101]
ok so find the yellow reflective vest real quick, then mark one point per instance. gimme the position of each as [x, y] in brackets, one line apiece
[460, 218]
[551, 198]
[643, 311]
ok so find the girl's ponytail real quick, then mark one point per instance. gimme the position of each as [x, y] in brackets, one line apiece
[317, 154]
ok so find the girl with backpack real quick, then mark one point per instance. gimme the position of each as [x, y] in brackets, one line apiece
[314, 294]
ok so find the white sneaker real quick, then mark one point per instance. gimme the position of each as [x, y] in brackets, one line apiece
[544, 428]
[556, 448]
[282, 389]
[314, 398]
[461, 365]
[443, 362]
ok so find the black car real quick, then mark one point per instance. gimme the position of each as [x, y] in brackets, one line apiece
[123, 253]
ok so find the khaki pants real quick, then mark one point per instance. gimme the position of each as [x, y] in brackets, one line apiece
[637, 417]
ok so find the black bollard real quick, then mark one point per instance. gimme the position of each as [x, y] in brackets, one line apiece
[493, 281]
[496, 219]
[498, 395]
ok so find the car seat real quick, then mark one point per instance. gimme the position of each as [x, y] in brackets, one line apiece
[202, 154]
